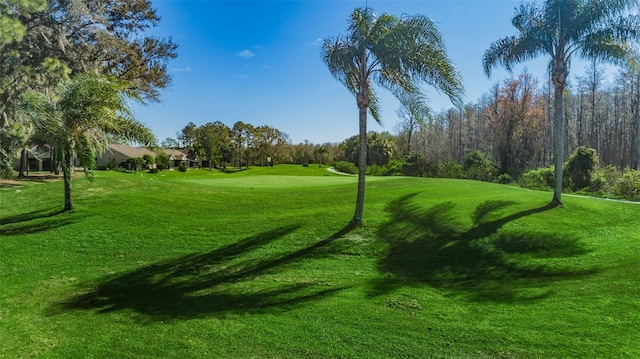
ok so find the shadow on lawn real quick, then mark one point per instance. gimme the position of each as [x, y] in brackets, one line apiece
[222, 281]
[480, 263]
[36, 222]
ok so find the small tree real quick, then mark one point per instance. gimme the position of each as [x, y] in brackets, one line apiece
[148, 160]
[83, 112]
[580, 167]
[162, 160]
[398, 54]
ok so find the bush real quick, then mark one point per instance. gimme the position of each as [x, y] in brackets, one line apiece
[604, 180]
[153, 170]
[449, 169]
[415, 165]
[149, 161]
[479, 166]
[375, 170]
[182, 168]
[346, 167]
[539, 179]
[504, 179]
[162, 160]
[580, 167]
[628, 186]
[394, 168]
[112, 164]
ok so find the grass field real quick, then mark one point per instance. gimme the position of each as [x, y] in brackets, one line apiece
[259, 264]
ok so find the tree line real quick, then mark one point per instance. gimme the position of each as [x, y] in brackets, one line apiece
[513, 123]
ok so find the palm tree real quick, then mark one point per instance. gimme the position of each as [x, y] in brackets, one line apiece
[591, 29]
[84, 114]
[398, 54]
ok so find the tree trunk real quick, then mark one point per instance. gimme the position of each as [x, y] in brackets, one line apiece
[66, 170]
[558, 146]
[363, 102]
[635, 127]
[23, 163]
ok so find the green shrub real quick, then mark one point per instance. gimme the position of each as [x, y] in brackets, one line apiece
[604, 180]
[394, 168]
[416, 166]
[582, 162]
[504, 178]
[162, 160]
[375, 170]
[153, 170]
[449, 169]
[479, 166]
[628, 186]
[539, 179]
[182, 168]
[346, 167]
[102, 167]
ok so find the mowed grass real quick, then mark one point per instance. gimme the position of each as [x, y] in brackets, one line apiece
[259, 264]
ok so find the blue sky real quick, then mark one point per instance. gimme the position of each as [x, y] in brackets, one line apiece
[259, 62]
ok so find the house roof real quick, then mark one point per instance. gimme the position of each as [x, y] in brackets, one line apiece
[175, 154]
[128, 151]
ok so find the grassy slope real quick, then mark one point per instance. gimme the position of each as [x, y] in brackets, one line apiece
[208, 264]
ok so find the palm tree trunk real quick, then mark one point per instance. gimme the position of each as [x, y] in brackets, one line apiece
[66, 170]
[558, 150]
[362, 160]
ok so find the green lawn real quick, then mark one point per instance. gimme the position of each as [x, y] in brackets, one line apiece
[209, 264]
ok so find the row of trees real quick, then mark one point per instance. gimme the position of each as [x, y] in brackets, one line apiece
[68, 69]
[241, 145]
[513, 123]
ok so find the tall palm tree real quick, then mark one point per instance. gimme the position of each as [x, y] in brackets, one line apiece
[398, 54]
[85, 113]
[592, 29]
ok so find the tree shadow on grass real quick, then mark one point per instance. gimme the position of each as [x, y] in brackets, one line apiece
[36, 222]
[428, 247]
[225, 280]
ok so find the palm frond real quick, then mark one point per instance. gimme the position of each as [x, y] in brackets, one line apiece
[374, 106]
[131, 130]
[613, 41]
[340, 58]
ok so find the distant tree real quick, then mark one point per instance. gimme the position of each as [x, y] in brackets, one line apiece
[397, 54]
[170, 143]
[514, 117]
[320, 152]
[187, 138]
[592, 29]
[413, 113]
[268, 142]
[380, 148]
[83, 112]
[214, 139]
[242, 139]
